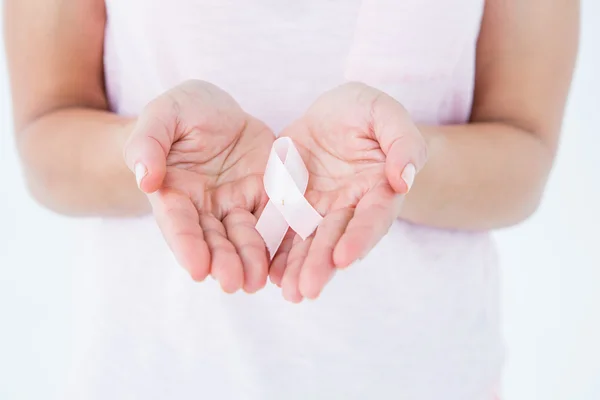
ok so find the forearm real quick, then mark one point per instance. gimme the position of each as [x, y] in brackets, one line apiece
[74, 165]
[479, 176]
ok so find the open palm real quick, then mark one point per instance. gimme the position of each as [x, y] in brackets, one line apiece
[362, 151]
[202, 159]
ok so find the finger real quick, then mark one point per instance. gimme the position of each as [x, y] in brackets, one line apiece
[372, 219]
[177, 219]
[401, 163]
[279, 262]
[296, 257]
[149, 144]
[400, 140]
[226, 266]
[250, 247]
[318, 267]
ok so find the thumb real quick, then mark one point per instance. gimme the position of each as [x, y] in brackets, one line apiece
[404, 159]
[147, 148]
[401, 141]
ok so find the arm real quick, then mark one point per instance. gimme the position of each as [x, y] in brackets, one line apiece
[491, 172]
[70, 145]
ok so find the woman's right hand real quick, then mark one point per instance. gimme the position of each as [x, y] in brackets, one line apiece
[201, 158]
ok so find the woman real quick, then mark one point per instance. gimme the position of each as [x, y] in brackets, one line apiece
[469, 96]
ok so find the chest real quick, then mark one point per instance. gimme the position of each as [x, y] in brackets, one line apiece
[418, 51]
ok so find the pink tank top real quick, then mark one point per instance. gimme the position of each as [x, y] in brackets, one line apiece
[416, 319]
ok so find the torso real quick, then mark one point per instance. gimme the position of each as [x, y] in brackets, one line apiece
[416, 319]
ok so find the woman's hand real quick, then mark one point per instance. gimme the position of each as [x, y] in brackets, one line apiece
[201, 158]
[362, 151]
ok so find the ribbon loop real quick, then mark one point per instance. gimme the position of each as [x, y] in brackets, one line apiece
[285, 180]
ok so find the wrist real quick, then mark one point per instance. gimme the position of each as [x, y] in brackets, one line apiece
[122, 133]
[416, 202]
[134, 200]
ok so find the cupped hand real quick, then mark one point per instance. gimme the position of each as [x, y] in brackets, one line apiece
[362, 151]
[201, 160]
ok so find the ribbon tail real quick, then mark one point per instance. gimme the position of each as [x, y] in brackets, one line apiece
[272, 226]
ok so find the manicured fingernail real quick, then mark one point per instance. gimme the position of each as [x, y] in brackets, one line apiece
[140, 173]
[408, 175]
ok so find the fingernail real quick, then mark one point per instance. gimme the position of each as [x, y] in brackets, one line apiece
[408, 175]
[140, 173]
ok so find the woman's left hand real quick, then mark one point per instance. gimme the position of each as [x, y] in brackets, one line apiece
[362, 151]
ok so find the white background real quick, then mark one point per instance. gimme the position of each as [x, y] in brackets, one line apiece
[551, 266]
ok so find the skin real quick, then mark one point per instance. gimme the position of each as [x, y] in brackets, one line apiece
[203, 173]
[486, 174]
[356, 141]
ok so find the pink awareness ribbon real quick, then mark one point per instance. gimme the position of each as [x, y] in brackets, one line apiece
[285, 180]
